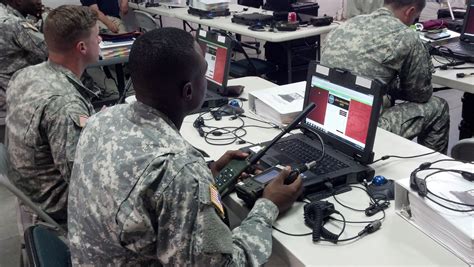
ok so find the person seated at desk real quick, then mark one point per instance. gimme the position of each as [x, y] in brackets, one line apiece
[46, 108]
[381, 45]
[109, 12]
[21, 44]
[141, 195]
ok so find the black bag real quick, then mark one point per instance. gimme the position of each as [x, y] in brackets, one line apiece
[252, 19]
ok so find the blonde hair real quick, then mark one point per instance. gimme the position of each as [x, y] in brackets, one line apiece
[66, 25]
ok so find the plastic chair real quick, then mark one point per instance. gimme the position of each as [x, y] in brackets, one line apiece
[463, 150]
[145, 21]
[45, 248]
[5, 182]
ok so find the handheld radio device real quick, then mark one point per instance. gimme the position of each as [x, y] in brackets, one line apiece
[227, 177]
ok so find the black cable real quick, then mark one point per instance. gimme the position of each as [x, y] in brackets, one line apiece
[344, 221]
[402, 157]
[226, 135]
[290, 234]
[323, 150]
[438, 196]
[446, 207]
[372, 199]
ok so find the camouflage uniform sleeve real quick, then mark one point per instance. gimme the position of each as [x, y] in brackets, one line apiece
[63, 129]
[189, 230]
[31, 40]
[415, 74]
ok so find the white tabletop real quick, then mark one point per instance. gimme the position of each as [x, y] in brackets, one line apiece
[396, 243]
[448, 77]
[162, 10]
[225, 23]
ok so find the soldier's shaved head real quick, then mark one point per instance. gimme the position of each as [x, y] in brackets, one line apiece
[168, 69]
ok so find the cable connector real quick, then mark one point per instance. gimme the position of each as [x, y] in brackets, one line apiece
[425, 165]
[371, 227]
[468, 175]
[375, 208]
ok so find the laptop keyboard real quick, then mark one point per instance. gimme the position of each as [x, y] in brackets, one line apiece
[305, 153]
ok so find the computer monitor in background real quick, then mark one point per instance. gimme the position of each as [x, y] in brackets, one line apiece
[218, 49]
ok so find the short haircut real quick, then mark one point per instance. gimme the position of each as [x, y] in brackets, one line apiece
[164, 57]
[420, 4]
[66, 25]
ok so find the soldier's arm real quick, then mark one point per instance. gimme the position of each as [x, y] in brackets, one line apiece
[102, 17]
[31, 40]
[62, 124]
[415, 76]
[189, 230]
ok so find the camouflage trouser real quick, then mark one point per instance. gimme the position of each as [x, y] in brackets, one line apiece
[429, 122]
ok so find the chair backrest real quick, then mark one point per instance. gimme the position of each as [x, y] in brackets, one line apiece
[463, 150]
[45, 248]
[4, 181]
[145, 21]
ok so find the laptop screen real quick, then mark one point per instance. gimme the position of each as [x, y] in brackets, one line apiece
[347, 109]
[340, 112]
[217, 50]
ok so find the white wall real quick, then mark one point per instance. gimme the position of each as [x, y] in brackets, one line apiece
[56, 3]
[328, 7]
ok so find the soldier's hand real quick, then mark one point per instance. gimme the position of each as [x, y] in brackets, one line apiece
[281, 194]
[218, 165]
[112, 27]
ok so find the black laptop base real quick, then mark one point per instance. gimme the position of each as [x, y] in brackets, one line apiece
[315, 183]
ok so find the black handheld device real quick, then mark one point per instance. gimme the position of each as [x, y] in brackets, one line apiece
[227, 177]
[251, 189]
[437, 36]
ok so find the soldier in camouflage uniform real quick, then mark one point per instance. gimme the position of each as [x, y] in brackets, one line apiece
[141, 195]
[380, 45]
[47, 106]
[21, 45]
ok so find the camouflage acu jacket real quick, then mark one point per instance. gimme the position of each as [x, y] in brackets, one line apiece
[45, 104]
[379, 45]
[21, 45]
[140, 195]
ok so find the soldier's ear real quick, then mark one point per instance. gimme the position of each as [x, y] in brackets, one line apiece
[81, 47]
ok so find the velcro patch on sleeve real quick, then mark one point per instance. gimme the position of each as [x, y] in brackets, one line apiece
[216, 200]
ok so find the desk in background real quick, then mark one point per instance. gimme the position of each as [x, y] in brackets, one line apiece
[448, 78]
[225, 23]
[396, 243]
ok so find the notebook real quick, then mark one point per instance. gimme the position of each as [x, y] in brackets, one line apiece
[463, 48]
[346, 115]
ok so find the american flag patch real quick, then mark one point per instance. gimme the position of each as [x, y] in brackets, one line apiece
[216, 200]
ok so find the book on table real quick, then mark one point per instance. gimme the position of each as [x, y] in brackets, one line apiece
[454, 230]
[278, 104]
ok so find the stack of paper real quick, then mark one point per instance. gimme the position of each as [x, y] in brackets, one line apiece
[279, 104]
[454, 230]
[115, 49]
[209, 5]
